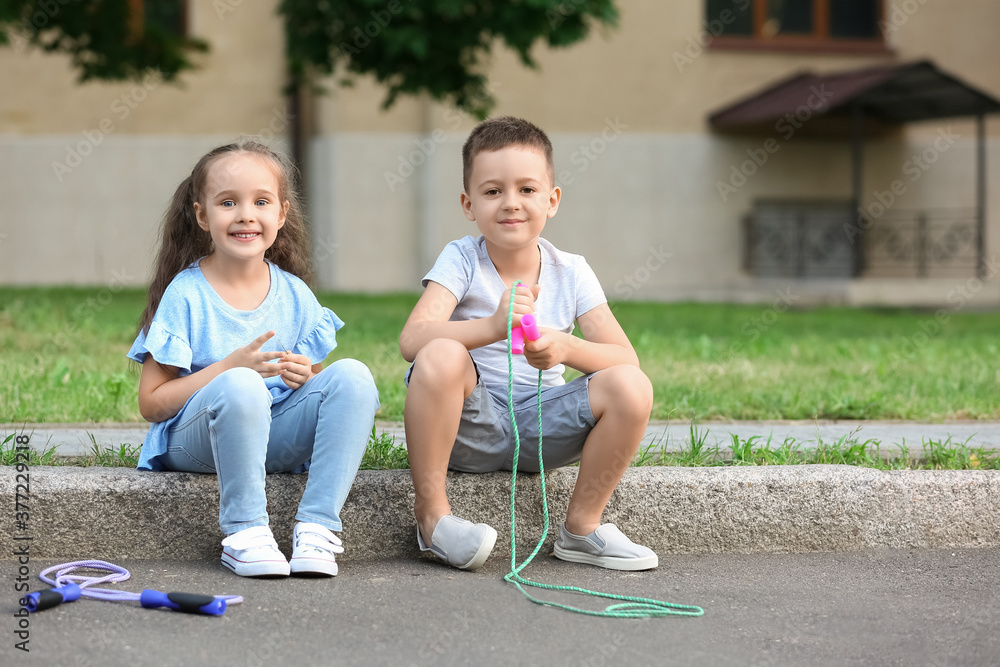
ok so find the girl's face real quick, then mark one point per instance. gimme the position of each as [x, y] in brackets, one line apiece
[240, 207]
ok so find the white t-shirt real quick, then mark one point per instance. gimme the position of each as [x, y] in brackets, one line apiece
[569, 289]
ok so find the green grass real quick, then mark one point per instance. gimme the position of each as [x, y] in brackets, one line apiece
[847, 450]
[383, 453]
[125, 456]
[63, 358]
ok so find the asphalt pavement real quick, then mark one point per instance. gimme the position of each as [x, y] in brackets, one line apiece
[905, 607]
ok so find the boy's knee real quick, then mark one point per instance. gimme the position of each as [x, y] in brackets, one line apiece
[442, 360]
[629, 387]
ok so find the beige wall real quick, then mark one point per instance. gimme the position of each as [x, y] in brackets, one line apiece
[236, 89]
[87, 170]
[655, 184]
[634, 156]
[631, 71]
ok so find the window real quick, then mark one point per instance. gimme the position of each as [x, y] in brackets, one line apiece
[169, 16]
[820, 25]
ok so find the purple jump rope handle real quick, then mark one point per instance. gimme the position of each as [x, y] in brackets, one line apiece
[528, 329]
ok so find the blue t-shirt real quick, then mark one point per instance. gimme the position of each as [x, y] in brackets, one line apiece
[193, 328]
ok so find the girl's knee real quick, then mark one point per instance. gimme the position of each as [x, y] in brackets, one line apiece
[240, 382]
[241, 389]
[350, 376]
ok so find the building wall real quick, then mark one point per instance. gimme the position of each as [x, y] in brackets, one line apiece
[626, 111]
[638, 165]
[87, 170]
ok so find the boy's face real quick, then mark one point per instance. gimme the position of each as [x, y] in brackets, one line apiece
[510, 196]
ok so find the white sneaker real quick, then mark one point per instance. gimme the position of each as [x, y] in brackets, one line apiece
[314, 549]
[254, 553]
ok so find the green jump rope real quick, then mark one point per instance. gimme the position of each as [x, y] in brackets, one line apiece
[630, 607]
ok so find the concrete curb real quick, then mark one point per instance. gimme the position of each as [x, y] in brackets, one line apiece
[116, 513]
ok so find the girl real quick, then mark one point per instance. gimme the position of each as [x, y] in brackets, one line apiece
[230, 345]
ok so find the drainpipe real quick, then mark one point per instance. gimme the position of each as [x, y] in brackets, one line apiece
[427, 224]
[981, 196]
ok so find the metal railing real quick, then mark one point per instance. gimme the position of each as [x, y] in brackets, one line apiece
[922, 244]
[787, 239]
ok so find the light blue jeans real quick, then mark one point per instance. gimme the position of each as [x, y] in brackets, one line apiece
[230, 428]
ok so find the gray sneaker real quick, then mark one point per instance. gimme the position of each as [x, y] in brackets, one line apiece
[460, 543]
[605, 547]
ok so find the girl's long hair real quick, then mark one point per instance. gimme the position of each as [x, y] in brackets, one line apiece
[182, 241]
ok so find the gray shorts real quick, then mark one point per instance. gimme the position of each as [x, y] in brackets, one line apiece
[485, 441]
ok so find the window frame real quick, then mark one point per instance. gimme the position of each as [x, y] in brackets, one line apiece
[137, 17]
[819, 41]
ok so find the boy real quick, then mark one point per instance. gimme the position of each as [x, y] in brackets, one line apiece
[456, 406]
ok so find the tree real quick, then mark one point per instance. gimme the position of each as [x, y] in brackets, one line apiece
[432, 46]
[409, 46]
[106, 39]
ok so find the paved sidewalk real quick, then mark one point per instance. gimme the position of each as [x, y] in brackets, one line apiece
[75, 439]
[887, 608]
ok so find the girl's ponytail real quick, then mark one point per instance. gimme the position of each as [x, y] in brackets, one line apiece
[182, 242]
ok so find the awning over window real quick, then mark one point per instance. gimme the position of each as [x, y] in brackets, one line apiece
[822, 104]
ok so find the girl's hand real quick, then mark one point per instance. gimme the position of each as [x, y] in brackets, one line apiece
[296, 369]
[252, 357]
[524, 303]
[547, 351]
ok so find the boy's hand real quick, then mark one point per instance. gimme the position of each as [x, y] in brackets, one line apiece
[524, 303]
[547, 351]
[296, 369]
[252, 357]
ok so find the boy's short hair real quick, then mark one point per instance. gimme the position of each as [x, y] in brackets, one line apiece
[494, 134]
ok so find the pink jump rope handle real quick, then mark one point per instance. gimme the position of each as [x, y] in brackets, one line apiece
[528, 329]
